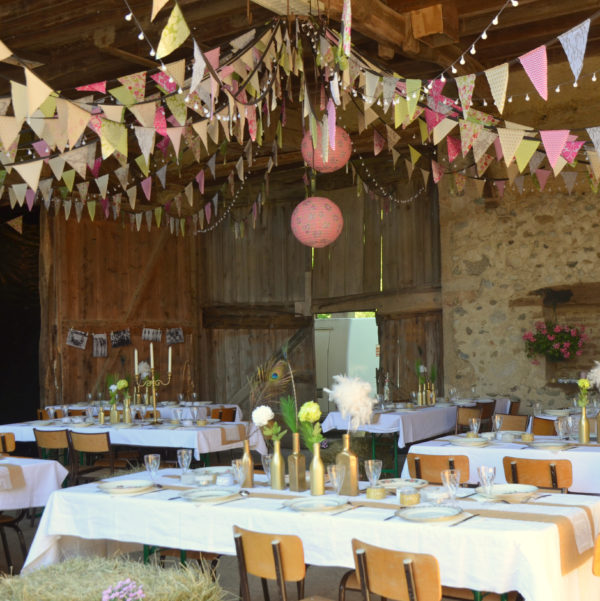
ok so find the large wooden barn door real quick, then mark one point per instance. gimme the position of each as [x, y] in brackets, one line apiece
[403, 340]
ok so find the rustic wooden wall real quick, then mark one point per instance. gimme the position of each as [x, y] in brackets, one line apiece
[99, 277]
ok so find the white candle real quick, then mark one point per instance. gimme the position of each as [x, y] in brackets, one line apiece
[170, 358]
[135, 362]
[151, 356]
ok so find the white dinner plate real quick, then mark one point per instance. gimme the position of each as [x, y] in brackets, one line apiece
[394, 483]
[548, 445]
[215, 469]
[208, 495]
[443, 404]
[322, 503]
[508, 490]
[429, 513]
[477, 441]
[126, 487]
[556, 412]
[81, 424]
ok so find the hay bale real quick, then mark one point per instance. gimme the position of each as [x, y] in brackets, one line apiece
[84, 579]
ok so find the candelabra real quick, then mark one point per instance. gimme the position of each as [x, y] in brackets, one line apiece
[153, 382]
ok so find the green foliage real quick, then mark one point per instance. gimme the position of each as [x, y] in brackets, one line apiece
[310, 433]
[288, 412]
[433, 374]
[274, 432]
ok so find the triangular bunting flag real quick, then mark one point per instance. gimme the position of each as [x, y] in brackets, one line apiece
[67, 207]
[162, 176]
[413, 90]
[498, 81]
[132, 194]
[174, 34]
[510, 140]
[30, 172]
[20, 190]
[483, 141]
[17, 222]
[415, 155]
[102, 183]
[571, 149]
[198, 68]
[594, 160]
[453, 148]
[542, 176]
[82, 188]
[442, 129]
[174, 134]
[77, 159]
[484, 162]
[91, 207]
[189, 194]
[144, 113]
[569, 177]
[77, 120]
[4, 51]
[594, 134]
[156, 6]
[559, 165]
[45, 188]
[409, 168]
[212, 164]
[425, 175]
[392, 137]
[535, 63]
[574, 43]
[536, 161]
[524, 153]
[145, 138]
[136, 84]
[437, 170]
[177, 71]
[37, 91]
[9, 130]
[460, 181]
[78, 210]
[158, 215]
[143, 165]
[378, 142]
[69, 178]
[147, 187]
[465, 85]
[554, 141]
[469, 132]
[122, 174]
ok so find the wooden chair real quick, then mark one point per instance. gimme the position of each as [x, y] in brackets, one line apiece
[543, 427]
[463, 415]
[73, 412]
[53, 440]
[514, 407]
[487, 410]
[543, 473]
[514, 422]
[429, 467]
[148, 415]
[596, 561]
[278, 557]
[102, 461]
[43, 413]
[7, 442]
[396, 574]
[225, 414]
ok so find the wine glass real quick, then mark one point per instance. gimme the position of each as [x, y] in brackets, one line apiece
[453, 393]
[336, 474]
[473, 391]
[152, 463]
[451, 481]
[195, 413]
[184, 458]
[239, 471]
[373, 471]
[89, 412]
[561, 425]
[266, 463]
[486, 477]
[181, 398]
[178, 413]
[497, 424]
[194, 397]
[475, 424]
[142, 411]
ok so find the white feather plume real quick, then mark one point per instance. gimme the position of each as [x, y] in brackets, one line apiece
[352, 397]
[594, 375]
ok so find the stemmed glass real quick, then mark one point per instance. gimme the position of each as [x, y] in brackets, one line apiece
[50, 411]
[178, 413]
[486, 477]
[239, 471]
[497, 424]
[453, 394]
[451, 481]
[142, 411]
[475, 424]
[561, 425]
[195, 413]
[474, 392]
[266, 463]
[336, 476]
[152, 463]
[181, 398]
[373, 471]
[184, 458]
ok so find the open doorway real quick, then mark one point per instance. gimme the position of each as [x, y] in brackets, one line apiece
[345, 343]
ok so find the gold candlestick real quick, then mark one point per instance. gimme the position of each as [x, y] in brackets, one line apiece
[153, 383]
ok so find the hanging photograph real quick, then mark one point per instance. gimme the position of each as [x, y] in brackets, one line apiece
[120, 338]
[175, 336]
[77, 339]
[99, 345]
[152, 335]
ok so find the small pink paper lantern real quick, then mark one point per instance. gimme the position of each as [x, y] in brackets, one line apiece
[336, 159]
[317, 221]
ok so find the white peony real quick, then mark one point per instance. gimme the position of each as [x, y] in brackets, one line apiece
[112, 388]
[144, 369]
[594, 375]
[262, 415]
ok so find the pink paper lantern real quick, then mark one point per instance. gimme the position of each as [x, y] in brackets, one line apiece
[336, 158]
[317, 221]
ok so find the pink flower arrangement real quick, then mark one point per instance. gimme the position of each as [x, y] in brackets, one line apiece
[555, 341]
[126, 590]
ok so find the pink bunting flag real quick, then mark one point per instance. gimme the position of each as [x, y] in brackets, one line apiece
[95, 170]
[542, 175]
[41, 147]
[212, 57]
[432, 118]
[554, 141]
[95, 124]
[500, 183]
[498, 148]
[147, 187]
[535, 63]
[200, 180]
[105, 207]
[437, 85]
[437, 171]
[453, 147]
[30, 198]
[163, 145]
[569, 152]
[160, 122]
[378, 142]
[208, 211]
[99, 86]
[162, 79]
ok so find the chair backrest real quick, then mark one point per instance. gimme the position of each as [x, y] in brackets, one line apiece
[514, 422]
[463, 415]
[77, 412]
[596, 561]
[514, 407]
[277, 557]
[429, 467]
[51, 439]
[487, 409]
[543, 427]
[98, 442]
[544, 473]
[43, 413]
[396, 574]
[228, 414]
[216, 412]
[7, 442]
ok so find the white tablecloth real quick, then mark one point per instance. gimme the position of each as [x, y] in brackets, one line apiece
[418, 424]
[585, 460]
[41, 478]
[502, 403]
[482, 554]
[206, 439]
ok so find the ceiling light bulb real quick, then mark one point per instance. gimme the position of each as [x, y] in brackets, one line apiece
[484, 35]
[594, 77]
[575, 84]
[514, 2]
[526, 97]
[454, 69]
[557, 89]
[152, 52]
[462, 60]
[473, 51]
[495, 21]
[141, 35]
[510, 98]
[484, 102]
[128, 17]
[442, 78]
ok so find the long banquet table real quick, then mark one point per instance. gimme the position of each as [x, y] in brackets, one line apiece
[410, 425]
[491, 553]
[212, 438]
[584, 459]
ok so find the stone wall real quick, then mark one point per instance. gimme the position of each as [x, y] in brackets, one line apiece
[496, 252]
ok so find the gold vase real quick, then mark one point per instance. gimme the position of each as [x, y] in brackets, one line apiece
[248, 466]
[297, 466]
[126, 411]
[349, 461]
[317, 472]
[277, 467]
[114, 414]
[584, 427]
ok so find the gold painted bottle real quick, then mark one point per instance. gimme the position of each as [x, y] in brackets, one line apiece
[297, 466]
[317, 472]
[126, 411]
[584, 427]
[114, 414]
[277, 467]
[100, 415]
[248, 466]
[350, 462]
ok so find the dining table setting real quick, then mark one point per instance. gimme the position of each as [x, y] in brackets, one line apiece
[485, 538]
